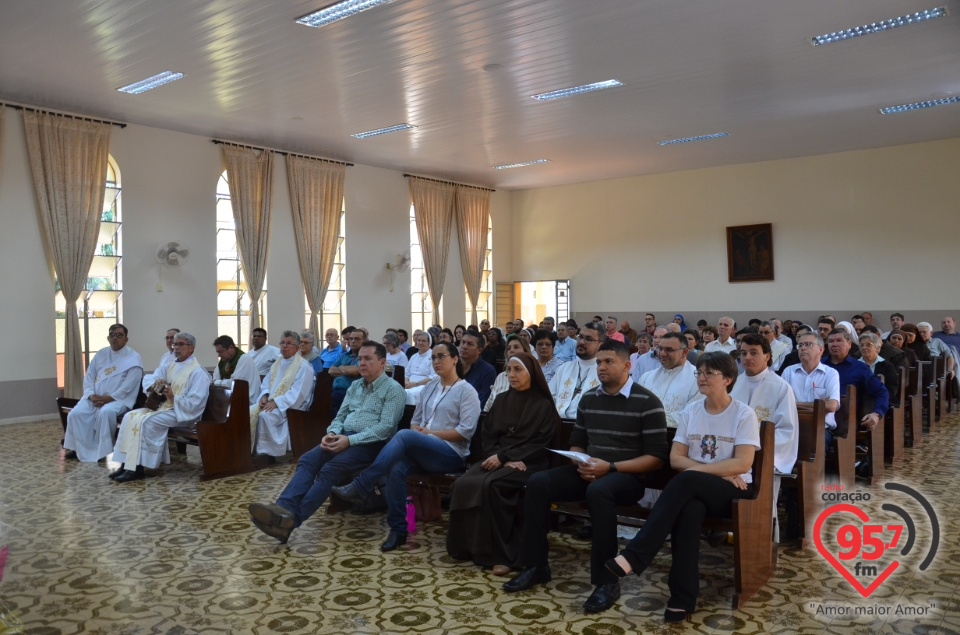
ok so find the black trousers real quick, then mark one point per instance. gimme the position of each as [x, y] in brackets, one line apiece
[680, 511]
[563, 484]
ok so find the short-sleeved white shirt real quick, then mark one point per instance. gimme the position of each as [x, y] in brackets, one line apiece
[711, 438]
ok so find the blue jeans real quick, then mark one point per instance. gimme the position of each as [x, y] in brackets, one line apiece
[318, 471]
[407, 450]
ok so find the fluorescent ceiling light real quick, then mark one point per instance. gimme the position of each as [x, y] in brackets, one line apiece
[889, 110]
[151, 82]
[378, 131]
[702, 137]
[576, 90]
[876, 27]
[339, 11]
[506, 166]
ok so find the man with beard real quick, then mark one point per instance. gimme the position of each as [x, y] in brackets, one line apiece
[573, 379]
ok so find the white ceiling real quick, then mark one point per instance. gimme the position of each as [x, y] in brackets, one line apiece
[689, 67]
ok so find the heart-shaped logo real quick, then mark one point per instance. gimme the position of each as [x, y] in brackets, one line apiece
[863, 516]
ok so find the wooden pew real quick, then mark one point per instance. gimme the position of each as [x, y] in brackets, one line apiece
[913, 414]
[940, 377]
[810, 467]
[875, 442]
[928, 388]
[307, 427]
[754, 552]
[66, 404]
[223, 433]
[847, 446]
[893, 423]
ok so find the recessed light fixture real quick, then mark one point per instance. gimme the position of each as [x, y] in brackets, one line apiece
[876, 27]
[379, 131]
[577, 90]
[339, 11]
[506, 166]
[702, 137]
[492, 68]
[930, 103]
[151, 82]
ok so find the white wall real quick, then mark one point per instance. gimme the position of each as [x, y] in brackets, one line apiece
[873, 229]
[169, 182]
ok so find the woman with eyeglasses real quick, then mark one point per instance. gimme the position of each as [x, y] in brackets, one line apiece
[438, 441]
[713, 451]
[484, 524]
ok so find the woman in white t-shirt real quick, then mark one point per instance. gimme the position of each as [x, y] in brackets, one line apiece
[713, 451]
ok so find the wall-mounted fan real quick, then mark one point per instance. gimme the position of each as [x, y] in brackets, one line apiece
[170, 254]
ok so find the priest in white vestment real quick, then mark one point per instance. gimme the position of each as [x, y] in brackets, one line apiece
[142, 441]
[674, 381]
[289, 384]
[110, 388]
[235, 364]
[772, 399]
[263, 354]
[573, 379]
[150, 378]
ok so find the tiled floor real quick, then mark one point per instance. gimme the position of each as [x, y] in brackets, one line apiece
[174, 555]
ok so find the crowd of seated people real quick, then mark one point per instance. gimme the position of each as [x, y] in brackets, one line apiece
[703, 382]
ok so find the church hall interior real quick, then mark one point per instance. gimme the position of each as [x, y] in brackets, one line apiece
[863, 207]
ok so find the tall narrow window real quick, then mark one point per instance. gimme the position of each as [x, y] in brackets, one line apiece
[486, 283]
[233, 301]
[421, 306]
[334, 314]
[99, 305]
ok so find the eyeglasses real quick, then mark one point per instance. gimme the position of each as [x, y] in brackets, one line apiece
[664, 349]
[588, 340]
[707, 373]
[116, 334]
[806, 344]
[437, 358]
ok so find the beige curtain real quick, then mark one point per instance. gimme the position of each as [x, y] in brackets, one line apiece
[316, 196]
[68, 160]
[250, 176]
[473, 218]
[433, 210]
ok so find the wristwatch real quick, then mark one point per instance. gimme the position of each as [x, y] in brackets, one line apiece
[613, 467]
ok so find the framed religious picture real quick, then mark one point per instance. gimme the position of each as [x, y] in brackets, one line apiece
[750, 253]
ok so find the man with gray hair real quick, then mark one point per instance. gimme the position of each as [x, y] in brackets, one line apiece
[308, 352]
[649, 361]
[184, 386]
[289, 384]
[937, 347]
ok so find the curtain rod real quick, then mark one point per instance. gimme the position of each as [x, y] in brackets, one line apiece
[283, 152]
[72, 115]
[425, 178]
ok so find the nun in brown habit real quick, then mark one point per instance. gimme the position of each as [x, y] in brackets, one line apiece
[515, 433]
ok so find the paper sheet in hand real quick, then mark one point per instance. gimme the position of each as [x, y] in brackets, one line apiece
[576, 456]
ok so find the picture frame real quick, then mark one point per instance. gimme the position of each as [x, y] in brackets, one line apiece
[750, 253]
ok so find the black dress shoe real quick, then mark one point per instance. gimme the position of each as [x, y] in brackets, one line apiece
[602, 598]
[117, 472]
[70, 454]
[272, 514]
[349, 493]
[274, 531]
[528, 578]
[394, 540]
[130, 475]
[671, 616]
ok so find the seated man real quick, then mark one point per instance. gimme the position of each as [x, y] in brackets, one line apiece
[309, 353]
[142, 441]
[566, 347]
[289, 384]
[778, 350]
[612, 333]
[235, 364]
[724, 342]
[168, 356]
[366, 421]
[575, 379]
[812, 380]
[621, 426]
[476, 372]
[674, 382]
[262, 354]
[853, 371]
[772, 399]
[937, 347]
[346, 371]
[628, 333]
[648, 361]
[110, 388]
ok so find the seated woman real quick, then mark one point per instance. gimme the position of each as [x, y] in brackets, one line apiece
[709, 334]
[713, 451]
[484, 523]
[543, 342]
[495, 349]
[438, 441]
[458, 332]
[419, 370]
[515, 346]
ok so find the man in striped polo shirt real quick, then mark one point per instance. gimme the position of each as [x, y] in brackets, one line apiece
[623, 429]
